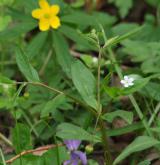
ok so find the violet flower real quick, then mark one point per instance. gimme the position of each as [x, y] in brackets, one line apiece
[75, 155]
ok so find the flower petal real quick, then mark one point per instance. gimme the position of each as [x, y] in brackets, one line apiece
[43, 4]
[55, 22]
[82, 157]
[123, 81]
[67, 162]
[37, 13]
[72, 144]
[126, 77]
[44, 24]
[54, 9]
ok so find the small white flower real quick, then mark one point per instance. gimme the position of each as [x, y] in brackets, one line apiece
[127, 81]
[95, 59]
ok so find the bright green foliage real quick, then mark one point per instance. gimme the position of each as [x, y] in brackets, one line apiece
[70, 131]
[66, 83]
[25, 67]
[84, 82]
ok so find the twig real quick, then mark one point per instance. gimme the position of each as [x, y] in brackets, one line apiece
[43, 148]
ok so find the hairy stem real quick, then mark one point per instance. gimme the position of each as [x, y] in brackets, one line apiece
[107, 155]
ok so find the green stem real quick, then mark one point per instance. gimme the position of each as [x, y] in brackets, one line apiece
[42, 70]
[157, 109]
[2, 156]
[30, 123]
[107, 155]
[131, 97]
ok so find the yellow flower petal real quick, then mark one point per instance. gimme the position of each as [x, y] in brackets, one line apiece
[55, 22]
[44, 24]
[37, 13]
[44, 4]
[54, 9]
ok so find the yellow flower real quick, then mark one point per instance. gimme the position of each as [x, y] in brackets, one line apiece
[47, 15]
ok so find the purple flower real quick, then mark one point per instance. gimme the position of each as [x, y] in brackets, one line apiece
[76, 156]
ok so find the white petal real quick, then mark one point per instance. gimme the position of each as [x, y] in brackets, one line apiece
[126, 77]
[131, 79]
[126, 85]
[123, 81]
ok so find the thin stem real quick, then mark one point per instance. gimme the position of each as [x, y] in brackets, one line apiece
[2, 156]
[107, 155]
[98, 82]
[157, 109]
[7, 141]
[40, 149]
[30, 124]
[90, 109]
[41, 72]
[140, 114]
[131, 97]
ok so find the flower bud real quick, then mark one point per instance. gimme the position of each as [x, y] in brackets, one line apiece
[89, 149]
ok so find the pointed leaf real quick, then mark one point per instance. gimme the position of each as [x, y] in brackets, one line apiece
[139, 144]
[63, 55]
[25, 67]
[85, 82]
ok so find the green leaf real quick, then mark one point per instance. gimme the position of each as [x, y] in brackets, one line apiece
[25, 67]
[118, 39]
[36, 44]
[21, 138]
[124, 6]
[55, 156]
[124, 130]
[73, 35]
[145, 162]
[18, 30]
[139, 144]
[70, 131]
[79, 18]
[63, 55]
[152, 91]
[112, 91]
[53, 105]
[4, 21]
[84, 82]
[78, 3]
[127, 116]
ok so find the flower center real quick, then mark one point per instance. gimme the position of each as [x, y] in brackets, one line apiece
[47, 16]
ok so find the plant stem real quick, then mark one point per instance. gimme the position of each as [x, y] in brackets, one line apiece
[2, 156]
[107, 155]
[131, 97]
[157, 109]
[8, 142]
[41, 72]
